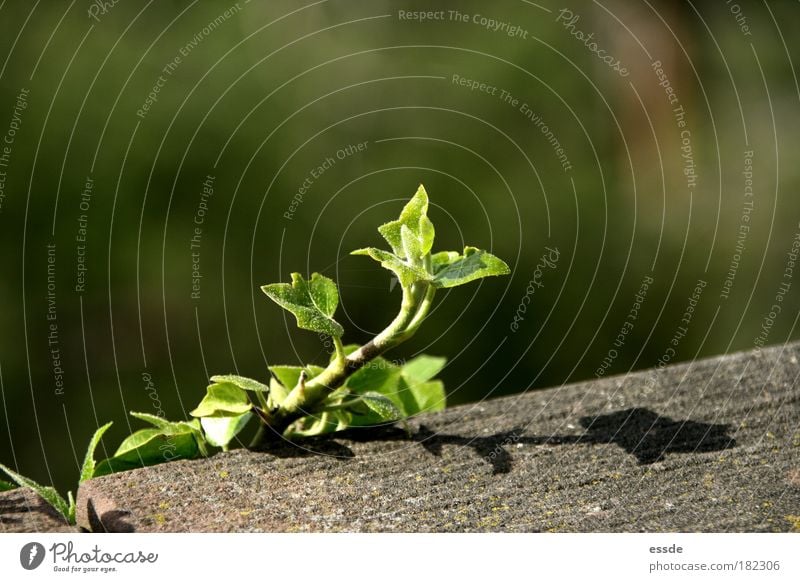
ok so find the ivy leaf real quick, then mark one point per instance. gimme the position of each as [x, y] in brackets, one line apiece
[312, 302]
[223, 397]
[451, 271]
[220, 430]
[242, 382]
[89, 464]
[406, 273]
[49, 494]
[414, 217]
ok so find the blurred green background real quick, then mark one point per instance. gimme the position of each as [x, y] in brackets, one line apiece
[262, 93]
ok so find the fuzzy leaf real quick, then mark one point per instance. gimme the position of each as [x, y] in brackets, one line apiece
[170, 427]
[461, 269]
[221, 430]
[49, 494]
[441, 259]
[241, 382]
[406, 273]
[156, 421]
[89, 464]
[312, 302]
[414, 216]
[381, 408]
[223, 397]
[412, 246]
[71, 507]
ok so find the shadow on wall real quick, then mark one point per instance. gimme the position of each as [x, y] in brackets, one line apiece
[643, 433]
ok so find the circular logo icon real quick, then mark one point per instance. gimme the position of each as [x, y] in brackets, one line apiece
[31, 555]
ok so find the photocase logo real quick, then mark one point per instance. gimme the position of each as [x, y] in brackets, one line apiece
[31, 555]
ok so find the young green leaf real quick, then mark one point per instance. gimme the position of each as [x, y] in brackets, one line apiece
[312, 302]
[221, 430]
[412, 246]
[151, 446]
[406, 272]
[416, 391]
[49, 494]
[414, 217]
[223, 397]
[156, 421]
[426, 396]
[461, 269]
[242, 382]
[377, 375]
[423, 368]
[380, 409]
[89, 464]
[6, 486]
[71, 508]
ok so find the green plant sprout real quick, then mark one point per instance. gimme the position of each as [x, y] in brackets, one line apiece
[357, 387]
[66, 507]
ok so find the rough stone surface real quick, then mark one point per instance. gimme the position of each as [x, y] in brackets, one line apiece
[707, 446]
[22, 510]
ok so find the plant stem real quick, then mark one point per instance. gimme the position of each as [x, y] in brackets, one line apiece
[414, 307]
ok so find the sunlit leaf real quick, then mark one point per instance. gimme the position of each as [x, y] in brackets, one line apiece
[312, 302]
[289, 376]
[221, 430]
[473, 264]
[151, 446]
[223, 397]
[377, 375]
[71, 507]
[49, 494]
[406, 273]
[414, 217]
[428, 396]
[89, 464]
[376, 409]
[242, 382]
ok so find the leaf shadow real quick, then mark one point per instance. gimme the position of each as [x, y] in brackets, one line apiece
[645, 434]
[14, 506]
